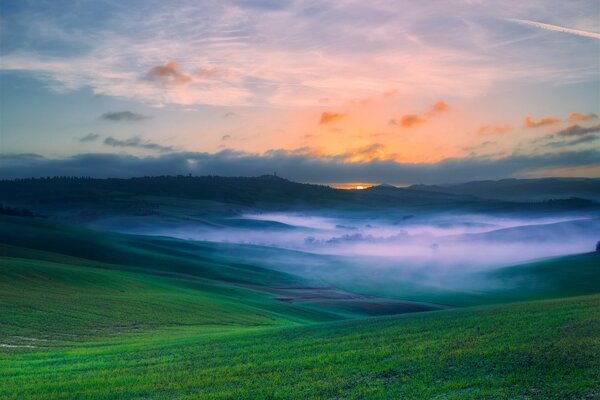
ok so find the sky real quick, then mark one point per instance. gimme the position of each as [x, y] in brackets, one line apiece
[395, 92]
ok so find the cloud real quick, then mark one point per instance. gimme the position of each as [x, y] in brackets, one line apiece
[571, 136]
[406, 121]
[530, 123]
[328, 117]
[438, 107]
[556, 28]
[90, 137]
[573, 142]
[169, 73]
[375, 151]
[222, 73]
[124, 116]
[136, 142]
[577, 130]
[494, 129]
[229, 137]
[480, 146]
[576, 117]
[301, 166]
[294, 54]
[573, 117]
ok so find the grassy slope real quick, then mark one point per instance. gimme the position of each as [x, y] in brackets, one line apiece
[557, 277]
[53, 301]
[573, 275]
[537, 350]
[127, 282]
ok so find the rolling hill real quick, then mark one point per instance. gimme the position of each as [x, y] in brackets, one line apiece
[136, 282]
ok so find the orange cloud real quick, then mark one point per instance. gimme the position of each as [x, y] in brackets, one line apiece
[169, 73]
[530, 123]
[413, 119]
[575, 117]
[375, 151]
[439, 107]
[409, 120]
[327, 117]
[494, 129]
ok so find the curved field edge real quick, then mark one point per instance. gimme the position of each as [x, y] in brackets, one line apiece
[537, 350]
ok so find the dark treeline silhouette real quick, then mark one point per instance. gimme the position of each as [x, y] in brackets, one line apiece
[241, 190]
[66, 191]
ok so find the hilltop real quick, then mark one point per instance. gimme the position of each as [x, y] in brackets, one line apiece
[522, 189]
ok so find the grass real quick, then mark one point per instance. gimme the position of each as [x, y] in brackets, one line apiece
[573, 275]
[537, 350]
[96, 315]
[128, 282]
[49, 300]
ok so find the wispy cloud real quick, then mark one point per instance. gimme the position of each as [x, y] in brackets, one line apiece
[230, 137]
[578, 130]
[575, 117]
[119, 116]
[570, 136]
[557, 28]
[572, 142]
[90, 137]
[529, 122]
[136, 142]
[295, 54]
[497, 129]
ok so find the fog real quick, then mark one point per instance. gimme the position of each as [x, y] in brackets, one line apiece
[466, 241]
[399, 254]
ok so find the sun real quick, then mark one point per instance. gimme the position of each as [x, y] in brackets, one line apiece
[359, 187]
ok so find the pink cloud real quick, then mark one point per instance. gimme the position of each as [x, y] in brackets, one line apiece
[530, 123]
[169, 73]
[494, 129]
[216, 73]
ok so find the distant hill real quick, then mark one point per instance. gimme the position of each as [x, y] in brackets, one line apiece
[266, 190]
[195, 195]
[522, 189]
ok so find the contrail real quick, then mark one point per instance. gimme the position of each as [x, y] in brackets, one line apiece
[556, 28]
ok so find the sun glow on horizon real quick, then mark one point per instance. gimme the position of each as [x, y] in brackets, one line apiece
[353, 185]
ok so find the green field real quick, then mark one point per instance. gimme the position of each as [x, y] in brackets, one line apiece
[97, 315]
